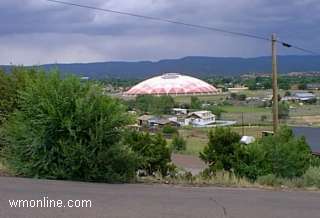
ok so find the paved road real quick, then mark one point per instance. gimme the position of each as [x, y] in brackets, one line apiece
[153, 201]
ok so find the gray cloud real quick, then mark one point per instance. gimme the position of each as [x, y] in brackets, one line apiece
[37, 31]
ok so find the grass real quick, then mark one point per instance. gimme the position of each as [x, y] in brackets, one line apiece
[3, 169]
[221, 178]
[244, 109]
[197, 138]
[309, 181]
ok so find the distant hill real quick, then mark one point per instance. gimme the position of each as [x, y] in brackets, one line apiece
[196, 66]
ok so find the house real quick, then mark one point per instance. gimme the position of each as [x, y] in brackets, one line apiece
[312, 136]
[154, 121]
[180, 111]
[305, 96]
[163, 121]
[201, 118]
[144, 120]
[313, 86]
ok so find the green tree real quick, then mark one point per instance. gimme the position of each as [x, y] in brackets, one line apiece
[154, 154]
[217, 111]
[284, 110]
[163, 105]
[178, 143]
[195, 103]
[154, 104]
[65, 129]
[219, 153]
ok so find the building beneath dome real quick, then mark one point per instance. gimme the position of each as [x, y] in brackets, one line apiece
[172, 84]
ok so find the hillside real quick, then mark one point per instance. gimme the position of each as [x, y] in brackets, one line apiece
[196, 66]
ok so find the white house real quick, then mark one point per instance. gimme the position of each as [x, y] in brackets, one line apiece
[201, 118]
[180, 111]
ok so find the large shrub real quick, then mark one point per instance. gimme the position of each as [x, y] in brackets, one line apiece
[178, 143]
[222, 145]
[66, 129]
[168, 129]
[154, 154]
[282, 155]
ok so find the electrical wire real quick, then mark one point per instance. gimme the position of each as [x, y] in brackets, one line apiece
[198, 26]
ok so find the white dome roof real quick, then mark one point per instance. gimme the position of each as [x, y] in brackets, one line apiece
[172, 83]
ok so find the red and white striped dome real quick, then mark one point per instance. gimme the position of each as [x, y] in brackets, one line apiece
[172, 84]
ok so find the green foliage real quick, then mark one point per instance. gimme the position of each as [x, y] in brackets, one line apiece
[168, 129]
[154, 155]
[287, 93]
[242, 97]
[239, 97]
[10, 85]
[195, 103]
[65, 129]
[7, 94]
[154, 104]
[215, 110]
[312, 177]
[222, 145]
[179, 143]
[281, 155]
[283, 110]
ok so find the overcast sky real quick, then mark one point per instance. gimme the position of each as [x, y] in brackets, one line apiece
[37, 31]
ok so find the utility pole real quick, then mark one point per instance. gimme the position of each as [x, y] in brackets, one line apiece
[242, 124]
[275, 108]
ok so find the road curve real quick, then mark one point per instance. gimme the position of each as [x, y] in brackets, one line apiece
[155, 201]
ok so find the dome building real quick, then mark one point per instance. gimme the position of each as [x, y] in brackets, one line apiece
[172, 84]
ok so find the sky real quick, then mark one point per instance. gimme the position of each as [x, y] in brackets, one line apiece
[34, 32]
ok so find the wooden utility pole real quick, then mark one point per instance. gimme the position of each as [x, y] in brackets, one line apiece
[275, 108]
[242, 124]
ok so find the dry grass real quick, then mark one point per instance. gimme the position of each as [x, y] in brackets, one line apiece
[224, 179]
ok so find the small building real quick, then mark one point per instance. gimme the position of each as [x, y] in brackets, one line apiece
[201, 118]
[305, 96]
[163, 121]
[312, 136]
[144, 120]
[154, 121]
[180, 111]
[313, 86]
[238, 89]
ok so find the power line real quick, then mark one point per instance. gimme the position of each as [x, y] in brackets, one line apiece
[198, 26]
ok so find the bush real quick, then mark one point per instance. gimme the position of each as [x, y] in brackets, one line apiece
[312, 177]
[66, 129]
[222, 145]
[282, 155]
[152, 151]
[179, 143]
[168, 129]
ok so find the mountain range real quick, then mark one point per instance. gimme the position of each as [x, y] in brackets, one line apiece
[193, 65]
